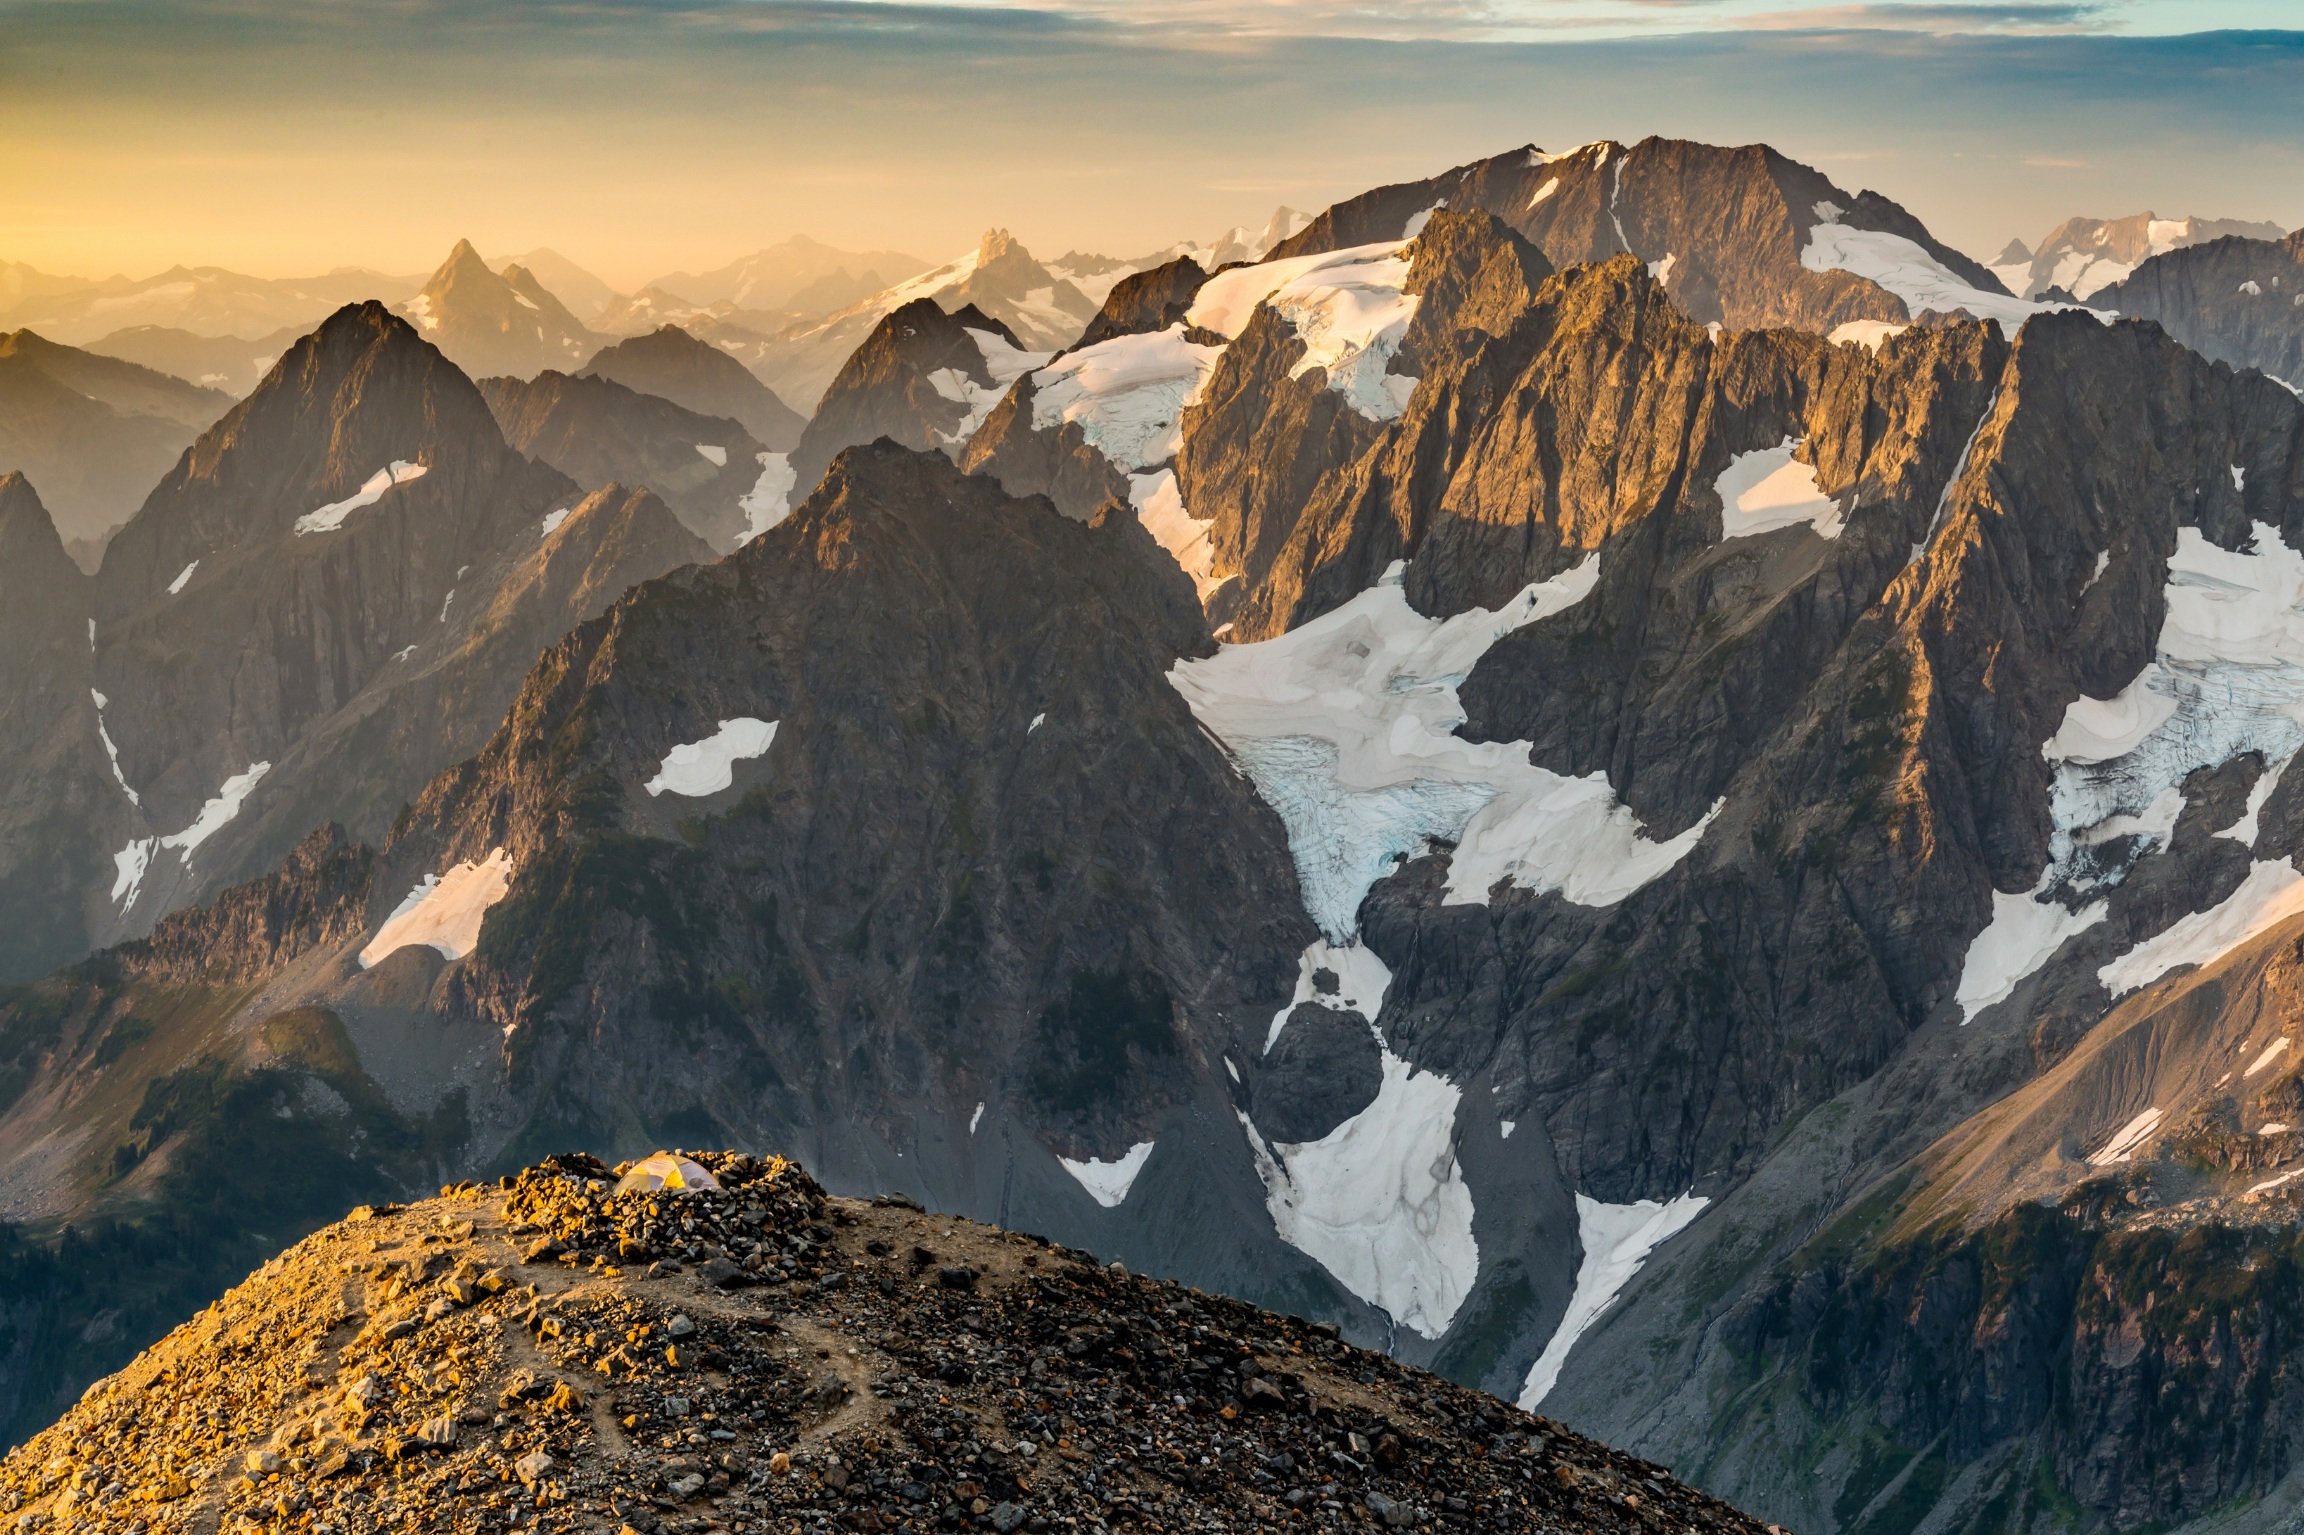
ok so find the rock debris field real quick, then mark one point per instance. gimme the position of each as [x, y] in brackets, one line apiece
[546, 1354]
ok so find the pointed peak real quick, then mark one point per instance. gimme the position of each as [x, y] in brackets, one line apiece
[463, 262]
[27, 532]
[996, 244]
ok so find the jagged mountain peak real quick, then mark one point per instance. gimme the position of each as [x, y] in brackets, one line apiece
[998, 245]
[491, 322]
[924, 377]
[361, 393]
[28, 535]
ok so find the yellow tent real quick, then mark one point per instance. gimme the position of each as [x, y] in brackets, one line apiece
[665, 1170]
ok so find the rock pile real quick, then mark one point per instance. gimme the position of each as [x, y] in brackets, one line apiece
[551, 1355]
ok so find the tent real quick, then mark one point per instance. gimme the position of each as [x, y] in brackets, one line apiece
[665, 1170]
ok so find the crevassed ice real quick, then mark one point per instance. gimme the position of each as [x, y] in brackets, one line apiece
[1346, 306]
[1347, 727]
[1768, 489]
[328, 518]
[1905, 269]
[444, 911]
[698, 768]
[2226, 678]
[1107, 1183]
[1617, 1240]
[1126, 394]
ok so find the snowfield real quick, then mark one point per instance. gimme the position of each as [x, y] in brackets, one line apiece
[698, 768]
[1769, 489]
[1906, 269]
[444, 911]
[1127, 395]
[1380, 1201]
[1346, 306]
[1107, 1183]
[328, 518]
[1617, 1240]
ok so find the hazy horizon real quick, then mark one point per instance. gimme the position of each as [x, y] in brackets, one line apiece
[637, 138]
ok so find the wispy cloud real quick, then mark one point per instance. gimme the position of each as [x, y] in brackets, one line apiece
[1941, 19]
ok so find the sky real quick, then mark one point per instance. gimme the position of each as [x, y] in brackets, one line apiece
[641, 136]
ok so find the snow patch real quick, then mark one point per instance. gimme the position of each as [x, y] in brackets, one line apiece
[2244, 830]
[713, 453]
[553, 520]
[698, 768]
[2123, 1145]
[976, 1119]
[444, 911]
[2026, 930]
[1037, 721]
[1662, 270]
[1108, 1183]
[328, 518]
[132, 862]
[1380, 1201]
[1868, 334]
[2272, 1052]
[769, 501]
[1617, 1240]
[1360, 981]
[2271, 893]
[111, 752]
[1768, 489]
[182, 576]
[1347, 727]
[1542, 192]
[1003, 363]
[1159, 506]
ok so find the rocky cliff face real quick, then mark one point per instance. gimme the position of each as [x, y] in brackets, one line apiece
[673, 365]
[55, 819]
[2232, 299]
[858, 1363]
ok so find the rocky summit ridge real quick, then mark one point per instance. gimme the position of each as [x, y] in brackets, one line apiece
[553, 1353]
